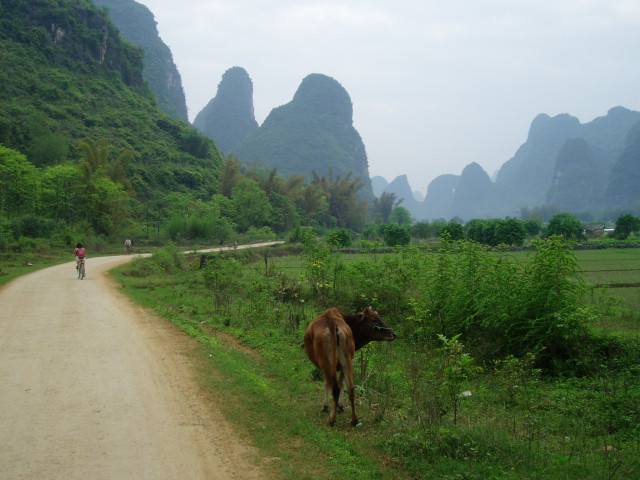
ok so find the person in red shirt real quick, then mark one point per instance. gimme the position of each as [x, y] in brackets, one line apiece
[80, 253]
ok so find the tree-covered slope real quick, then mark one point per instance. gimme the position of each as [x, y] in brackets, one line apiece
[576, 186]
[623, 190]
[439, 198]
[525, 180]
[229, 118]
[474, 194]
[137, 24]
[313, 132]
[67, 74]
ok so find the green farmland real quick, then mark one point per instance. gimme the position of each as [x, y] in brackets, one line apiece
[507, 364]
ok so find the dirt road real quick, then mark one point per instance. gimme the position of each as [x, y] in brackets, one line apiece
[94, 387]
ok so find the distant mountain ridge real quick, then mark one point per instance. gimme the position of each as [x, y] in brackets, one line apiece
[565, 165]
[138, 25]
[229, 117]
[313, 132]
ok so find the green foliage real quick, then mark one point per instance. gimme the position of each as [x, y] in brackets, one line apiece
[532, 226]
[576, 184]
[625, 225]
[18, 183]
[517, 377]
[345, 208]
[495, 232]
[251, 205]
[453, 231]
[228, 117]
[301, 234]
[339, 237]
[400, 216]
[422, 400]
[68, 78]
[383, 206]
[566, 225]
[395, 235]
[169, 260]
[622, 190]
[457, 370]
[222, 276]
[500, 307]
[315, 128]
[136, 23]
[422, 230]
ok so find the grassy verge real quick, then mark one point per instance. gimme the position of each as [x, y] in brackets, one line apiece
[265, 386]
[13, 265]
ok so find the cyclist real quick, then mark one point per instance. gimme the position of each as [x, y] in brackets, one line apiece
[80, 253]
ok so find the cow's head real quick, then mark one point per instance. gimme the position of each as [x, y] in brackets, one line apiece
[372, 328]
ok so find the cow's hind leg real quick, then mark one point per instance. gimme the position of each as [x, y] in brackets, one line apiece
[352, 393]
[335, 391]
[325, 403]
[341, 397]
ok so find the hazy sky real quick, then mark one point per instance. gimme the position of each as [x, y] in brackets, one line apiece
[435, 85]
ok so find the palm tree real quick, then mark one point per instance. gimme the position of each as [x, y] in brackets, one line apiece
[96, 162]
[341, 192]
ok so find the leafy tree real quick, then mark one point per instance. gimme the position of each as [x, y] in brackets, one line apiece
[341, 193]
[625, 224]
[230, 176]
[400, 216]
[454, 230]
[566, 225]
[96, 162]
[532, 226]
[475, 230]
[421, 230]
[313, 203]
[395, 235]
[251, 204]
[18, 183]
[339, 237]
[60, 190]
[283, 214]
[106, 205]
[511, 232]
[383, 205]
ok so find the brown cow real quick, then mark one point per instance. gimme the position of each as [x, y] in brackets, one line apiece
[331, 341]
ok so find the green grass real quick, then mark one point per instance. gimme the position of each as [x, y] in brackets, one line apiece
[515, 424]
[269, 393]
[13, 265]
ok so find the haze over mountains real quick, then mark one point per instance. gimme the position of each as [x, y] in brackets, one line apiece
[590, 169]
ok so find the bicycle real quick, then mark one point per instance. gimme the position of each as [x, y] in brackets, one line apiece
[80, 269]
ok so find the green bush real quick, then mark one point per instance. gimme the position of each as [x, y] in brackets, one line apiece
[395, 235]
[565, 225]
[169, 259]
[339, 237]
[625, 225]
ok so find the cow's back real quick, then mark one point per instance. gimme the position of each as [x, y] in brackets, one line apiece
[323, 334]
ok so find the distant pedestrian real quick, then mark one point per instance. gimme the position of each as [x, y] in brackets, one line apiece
[127, 245]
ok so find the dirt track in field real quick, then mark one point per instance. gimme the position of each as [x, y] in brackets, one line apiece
[95, 387]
